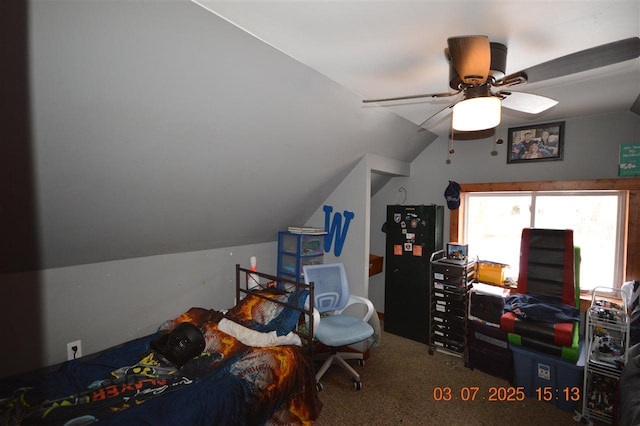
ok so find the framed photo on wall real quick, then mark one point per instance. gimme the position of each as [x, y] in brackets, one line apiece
[538, 142]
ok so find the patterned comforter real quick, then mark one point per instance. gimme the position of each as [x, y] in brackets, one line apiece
[230, 383]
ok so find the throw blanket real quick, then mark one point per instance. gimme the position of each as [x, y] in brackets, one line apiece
[540, 308]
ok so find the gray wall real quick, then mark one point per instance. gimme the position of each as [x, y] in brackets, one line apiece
[155, 126]
[158, 128]
[107, 303]
[142, 129]
[353, 195]
[590, 152]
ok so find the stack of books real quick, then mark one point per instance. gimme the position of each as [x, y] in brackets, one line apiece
[309, 230]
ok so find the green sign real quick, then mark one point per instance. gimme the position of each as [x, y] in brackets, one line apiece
[629, 164]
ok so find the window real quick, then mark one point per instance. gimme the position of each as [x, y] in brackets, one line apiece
[630, 256]
[494, 220]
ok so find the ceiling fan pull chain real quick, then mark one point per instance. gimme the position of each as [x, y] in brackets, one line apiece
[451, 150]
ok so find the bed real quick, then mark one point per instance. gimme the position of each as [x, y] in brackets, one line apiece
[255, 368]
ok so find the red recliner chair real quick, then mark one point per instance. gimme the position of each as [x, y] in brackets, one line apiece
[548, 268]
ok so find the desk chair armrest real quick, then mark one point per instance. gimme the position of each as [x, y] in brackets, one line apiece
[316, 316]
[359, 300]
[316, 320]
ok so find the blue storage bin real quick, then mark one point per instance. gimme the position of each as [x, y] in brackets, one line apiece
[534, 370]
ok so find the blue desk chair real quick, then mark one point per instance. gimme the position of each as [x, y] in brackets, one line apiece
[336, 329]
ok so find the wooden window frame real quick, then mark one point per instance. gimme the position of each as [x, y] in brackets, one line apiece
[631, 245]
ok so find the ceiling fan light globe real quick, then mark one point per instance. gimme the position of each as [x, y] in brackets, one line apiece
[476, 114]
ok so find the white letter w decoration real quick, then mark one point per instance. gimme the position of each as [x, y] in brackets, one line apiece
[336, 229]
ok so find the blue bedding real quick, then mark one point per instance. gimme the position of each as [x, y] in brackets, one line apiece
[540, 308]
[229, 383]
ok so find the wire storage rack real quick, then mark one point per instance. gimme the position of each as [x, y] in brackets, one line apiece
[607, 339]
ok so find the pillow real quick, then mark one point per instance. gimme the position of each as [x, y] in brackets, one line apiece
[256, 339]
[263, 315]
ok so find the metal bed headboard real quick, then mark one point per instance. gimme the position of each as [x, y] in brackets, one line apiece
[286, 284]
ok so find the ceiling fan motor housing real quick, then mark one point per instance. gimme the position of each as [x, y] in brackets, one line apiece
[498, 61]
[496, 71]
[479, 91]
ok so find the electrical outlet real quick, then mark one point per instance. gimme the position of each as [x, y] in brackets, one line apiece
[70, 352]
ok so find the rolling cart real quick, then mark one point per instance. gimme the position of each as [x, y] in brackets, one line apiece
[448, 305]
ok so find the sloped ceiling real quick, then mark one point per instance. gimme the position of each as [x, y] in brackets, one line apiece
[383, 49]
[139, 128]
[142, 128]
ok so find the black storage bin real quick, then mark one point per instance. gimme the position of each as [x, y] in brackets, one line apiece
[486, 307]
[489, 351]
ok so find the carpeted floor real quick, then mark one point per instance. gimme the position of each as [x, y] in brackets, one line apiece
[399, 380]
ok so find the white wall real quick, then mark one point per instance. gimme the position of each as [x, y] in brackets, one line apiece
[590, 152]
[104, 304]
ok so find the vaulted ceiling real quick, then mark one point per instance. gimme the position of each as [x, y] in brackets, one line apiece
[139, 128]
[383, 49]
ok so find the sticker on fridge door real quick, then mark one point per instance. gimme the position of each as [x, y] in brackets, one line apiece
[397, 249]
[417, 250]
[408, 246]
[397, 217]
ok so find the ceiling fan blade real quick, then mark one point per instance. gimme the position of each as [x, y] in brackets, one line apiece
[588, 59]
[404, 98]
[527, 102]
[438, 115]
[471, 58]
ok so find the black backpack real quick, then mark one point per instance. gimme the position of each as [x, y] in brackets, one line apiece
[183, 343]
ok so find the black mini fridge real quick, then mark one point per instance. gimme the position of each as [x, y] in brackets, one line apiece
[413, 233]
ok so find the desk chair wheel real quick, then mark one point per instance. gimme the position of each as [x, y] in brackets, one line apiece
[319, 386]
[357, 384]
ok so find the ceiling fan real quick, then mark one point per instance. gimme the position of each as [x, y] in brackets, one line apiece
[480, 86]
